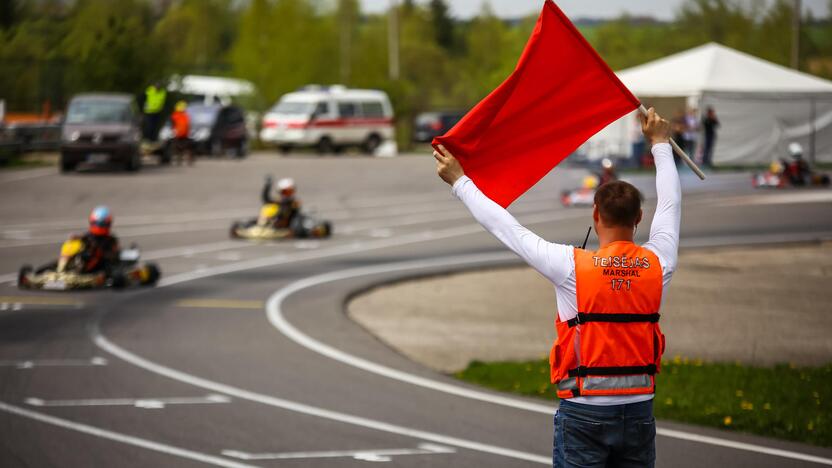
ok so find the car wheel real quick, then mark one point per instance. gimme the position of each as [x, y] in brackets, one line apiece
[325, 146]
[134, 163]
[215, 148]
[372, 144]
[242, 149]
[66, 164]
[166, 156]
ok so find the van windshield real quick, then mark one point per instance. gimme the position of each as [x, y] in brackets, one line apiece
[294, 107]
[83, 111]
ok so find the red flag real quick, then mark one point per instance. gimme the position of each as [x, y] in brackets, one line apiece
[560, 94]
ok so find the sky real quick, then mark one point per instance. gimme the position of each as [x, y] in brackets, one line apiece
[661, 9]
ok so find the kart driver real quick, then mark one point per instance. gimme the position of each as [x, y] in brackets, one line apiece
[101, 249]
[798, 169]
[288, 205]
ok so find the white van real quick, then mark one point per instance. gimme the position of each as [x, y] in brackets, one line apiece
[329, 119]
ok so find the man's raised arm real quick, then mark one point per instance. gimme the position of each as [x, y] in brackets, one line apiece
[664, 231]
[554, 261]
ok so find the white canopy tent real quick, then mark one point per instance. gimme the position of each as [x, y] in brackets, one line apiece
[211, 88]
[761, 106]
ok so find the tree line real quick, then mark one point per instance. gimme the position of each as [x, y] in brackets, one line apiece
[50, 49]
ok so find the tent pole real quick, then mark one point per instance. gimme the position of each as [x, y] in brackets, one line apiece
[813, 131]
[692, 165]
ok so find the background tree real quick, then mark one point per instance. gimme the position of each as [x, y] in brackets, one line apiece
[283, 45]
[443, 24]
[110, 47]
[197, 34]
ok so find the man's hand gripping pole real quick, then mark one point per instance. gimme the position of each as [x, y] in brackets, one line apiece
[692, 165]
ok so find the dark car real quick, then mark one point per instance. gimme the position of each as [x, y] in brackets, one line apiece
[433, 124]
[101, 129]
[214, 130]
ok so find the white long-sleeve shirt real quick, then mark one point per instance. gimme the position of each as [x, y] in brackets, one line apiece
[557, 261]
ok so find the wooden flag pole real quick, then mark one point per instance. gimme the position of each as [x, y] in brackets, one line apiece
[692, 165]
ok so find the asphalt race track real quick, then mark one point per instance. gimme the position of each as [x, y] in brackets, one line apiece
[243, 356]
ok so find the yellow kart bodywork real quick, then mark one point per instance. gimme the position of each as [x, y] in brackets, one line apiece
[63, 280]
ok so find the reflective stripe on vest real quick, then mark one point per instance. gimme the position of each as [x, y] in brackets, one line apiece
[614, 345]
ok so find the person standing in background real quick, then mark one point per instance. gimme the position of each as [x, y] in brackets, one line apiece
[154, 104]
[181, 124]
[678, 126]
[637, 142]
[691, 131]
[709, 125]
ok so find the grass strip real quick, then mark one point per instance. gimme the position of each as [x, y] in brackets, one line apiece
[784, 401]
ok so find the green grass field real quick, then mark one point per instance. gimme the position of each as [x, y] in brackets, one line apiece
[786, 402]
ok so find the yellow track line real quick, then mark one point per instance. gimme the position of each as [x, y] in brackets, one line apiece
[39, 300]
[221, 304]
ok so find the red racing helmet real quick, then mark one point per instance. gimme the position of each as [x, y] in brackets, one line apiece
[100, 221]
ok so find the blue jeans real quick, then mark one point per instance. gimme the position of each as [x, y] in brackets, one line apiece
[591, 436]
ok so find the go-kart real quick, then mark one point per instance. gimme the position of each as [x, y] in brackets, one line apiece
[66, 273]
[578, 197]
[788, 174]
[583, 196]
[263, 227]
[768, 179]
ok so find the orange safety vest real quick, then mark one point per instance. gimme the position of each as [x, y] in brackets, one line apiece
[614, 346]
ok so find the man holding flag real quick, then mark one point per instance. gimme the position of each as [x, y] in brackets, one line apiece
[609, 344]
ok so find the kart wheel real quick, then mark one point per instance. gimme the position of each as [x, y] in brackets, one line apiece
[284, 149]
[327, 229]
[23, 276]
[119, 280]
[153, 274]
[233, 231]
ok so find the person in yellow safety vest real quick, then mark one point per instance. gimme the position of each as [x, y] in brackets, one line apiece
[154, 104]
[609, 344]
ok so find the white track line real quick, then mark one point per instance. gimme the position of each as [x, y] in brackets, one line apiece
[138, 361]
[27, 174]
[208, 222]
[275, 316]
[145, 403]
[366, 455]
[32, 363]
[110, 347]
[123, 438]
[353, 247]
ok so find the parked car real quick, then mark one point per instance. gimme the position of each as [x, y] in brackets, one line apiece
[329, 119]
[429, 125]
[215, 128]
[101, 129]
